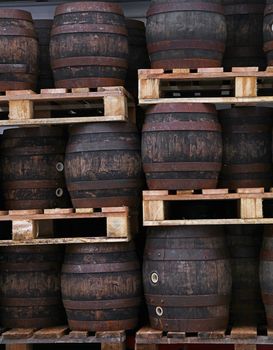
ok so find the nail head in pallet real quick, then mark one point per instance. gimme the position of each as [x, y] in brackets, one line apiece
[26, 225]
[250, 206]
[244, 83]
[24, 106]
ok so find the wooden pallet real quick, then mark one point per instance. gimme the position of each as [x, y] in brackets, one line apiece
[250, 206]
[240, 86]
[244, 338]
[25, 107]
[22, 339]
[35, 226]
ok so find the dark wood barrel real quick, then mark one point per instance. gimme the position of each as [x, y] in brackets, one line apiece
[103, 165]
[244, 242]
[181, 146]
[89, 45]
[138, 54]
[30, 287]
[108, 281]
[267, 32]
[19, 50]
[187, 278]
[45, 76]
[32, 163]
[266, 276]
[198, 42]
[244, 46]
[247, 140]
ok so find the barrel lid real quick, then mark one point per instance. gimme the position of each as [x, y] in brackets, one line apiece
[15, 14]
[82, 6]
[181, 108]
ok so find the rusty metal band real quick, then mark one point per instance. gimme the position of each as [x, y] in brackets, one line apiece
[187, 300]
[182, 126]
[174, 184]
[89, 28]
[87, 82]
[18, 31]
[18, 85]
[31, 184]
[30, 267]
[42, 301]
[16, 14]
[44, 151]
[246, 129]
[89, 61]
[267, 298]
[156, 9]
[101, 304]
[186, 254]
[244, 9]
[93, 249]
[182, 108]
[247, 168]
[186, 44]
[103, 325]
[97, 268]
[102, 185]
[266, 255]
[181, 166]
[244, 183]
[170, 63]
[13, 68]
[268, 46]
[88, 6]
[100, 146]
[190, 325]
[268, 10]
[27, 204]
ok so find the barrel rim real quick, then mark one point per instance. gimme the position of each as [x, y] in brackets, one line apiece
[81, 6]
[16, 14]
[181, 108]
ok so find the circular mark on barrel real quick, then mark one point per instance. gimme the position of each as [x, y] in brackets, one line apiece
[154, 277]
[159, 311]
[60, 166]
[59, 192]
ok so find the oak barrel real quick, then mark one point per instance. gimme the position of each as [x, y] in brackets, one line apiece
[247, 140]
[244, 243]
[266, 276]
[187, 278]
[108, 282]
[45, 76]
[30, 287]
[32, 164]
[19, 50]
[244, 46]
[103, 165]
[186, 34]
[181, 146]
[89, 45]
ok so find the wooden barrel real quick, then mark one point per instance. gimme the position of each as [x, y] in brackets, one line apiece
[181, 146]
[244, 242]
[30, 287]
[186, 34]
[103, 165]
[266, 276]
[19, 50]
[138, 54]
[108, 282]
[32, 163]
[187, 278]
[247, 140]
[45, 76]
[89, 45]
[267, 32]
[244, 46]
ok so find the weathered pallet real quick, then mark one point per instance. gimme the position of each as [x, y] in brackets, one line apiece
[241, 85]
[250, 206]
[25, 107]
[22, 339]
[35, 226]
[244, 338]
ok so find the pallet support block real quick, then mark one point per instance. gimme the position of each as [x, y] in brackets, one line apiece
[113, 346]
[117, 227]
[149, 88]
[251, 208]
[116, 106]
[153, 210]
[246, 87]
[25, 229]
[21, 109]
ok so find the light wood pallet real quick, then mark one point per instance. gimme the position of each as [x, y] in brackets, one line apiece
[250, 206]
[244, 338]
[35, 226]
[25, 107]
[240, 86]
[22, 339]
